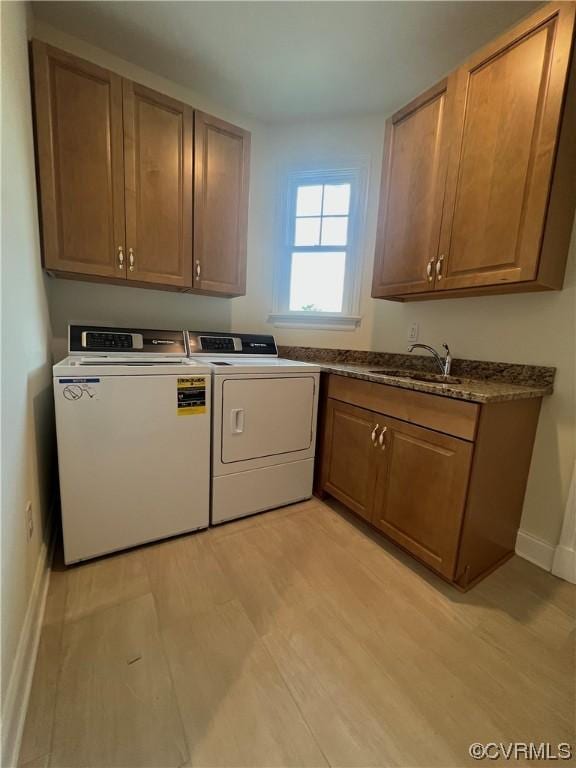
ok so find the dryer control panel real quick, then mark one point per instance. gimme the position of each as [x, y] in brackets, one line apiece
[231, 344]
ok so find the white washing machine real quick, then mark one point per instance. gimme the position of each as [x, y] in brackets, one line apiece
[264, 412]
[133, 428]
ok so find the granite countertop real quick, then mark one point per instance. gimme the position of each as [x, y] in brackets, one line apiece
[479, 381]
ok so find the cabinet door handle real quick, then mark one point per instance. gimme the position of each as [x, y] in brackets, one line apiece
[131, 259]
[374, 431]
[429, 270]
[381, 442]
[197, 269]
[120, 257]
[439, 267]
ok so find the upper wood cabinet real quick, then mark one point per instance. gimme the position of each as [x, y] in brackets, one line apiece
[80, 163]
[158, 166]
[221, 169]
[507, 196]
[123, 196]
[412, 194]
[508, 108]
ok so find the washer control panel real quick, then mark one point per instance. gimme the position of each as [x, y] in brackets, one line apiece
[111, 340]
[102, 340]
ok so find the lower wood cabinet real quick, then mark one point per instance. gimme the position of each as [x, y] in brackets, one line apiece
[452, 501]
[350, 461]
[421, 491]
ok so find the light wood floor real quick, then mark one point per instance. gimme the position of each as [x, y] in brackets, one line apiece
[294, 638]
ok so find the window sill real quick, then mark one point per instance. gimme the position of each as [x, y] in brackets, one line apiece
[323, 321]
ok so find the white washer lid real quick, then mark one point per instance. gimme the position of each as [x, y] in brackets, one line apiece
[80, 367]
[239, 364]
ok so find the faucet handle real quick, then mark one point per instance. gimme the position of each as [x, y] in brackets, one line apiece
[447, 360]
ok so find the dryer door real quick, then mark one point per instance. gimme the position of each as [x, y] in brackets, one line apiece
[266, 416]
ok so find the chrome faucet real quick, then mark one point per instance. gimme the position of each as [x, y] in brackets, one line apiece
[444, 364]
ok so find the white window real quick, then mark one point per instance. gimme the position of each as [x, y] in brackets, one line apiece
[318, 276]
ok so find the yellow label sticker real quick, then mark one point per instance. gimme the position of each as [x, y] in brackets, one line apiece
[191, 395]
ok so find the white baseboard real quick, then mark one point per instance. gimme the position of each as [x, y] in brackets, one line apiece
[564, 565]
[20, 683]
[535, 550]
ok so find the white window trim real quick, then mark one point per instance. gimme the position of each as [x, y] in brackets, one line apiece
[350, 318]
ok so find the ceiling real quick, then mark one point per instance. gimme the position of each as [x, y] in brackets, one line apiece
[282, 61]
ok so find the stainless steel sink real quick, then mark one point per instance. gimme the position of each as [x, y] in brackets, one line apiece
[436, 378]
[402, 372]
[433, 378]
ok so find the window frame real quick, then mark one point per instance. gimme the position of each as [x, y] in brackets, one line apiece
[349, 318]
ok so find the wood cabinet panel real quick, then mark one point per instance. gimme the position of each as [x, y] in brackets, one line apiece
[421, 492]
[123, 197]
[158, 160]
[454, 417]
[455, 504]
[497, 486]
[490, 158]
[349, 469]
[412, 194]
[508, 106]
[79, 138]
[221, 170]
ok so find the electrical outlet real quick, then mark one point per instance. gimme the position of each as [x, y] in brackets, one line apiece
[29, 520]
[413, 332]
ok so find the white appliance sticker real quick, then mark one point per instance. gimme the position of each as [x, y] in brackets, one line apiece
[78, 389]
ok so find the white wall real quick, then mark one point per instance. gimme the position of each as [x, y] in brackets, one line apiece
[27, 406]
[313, 144]
[528, 328]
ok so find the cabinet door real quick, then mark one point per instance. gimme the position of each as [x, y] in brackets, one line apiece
[349, 460]
[79, 140]
[412, 194]
[158, 158]
[508, 108]
[221, 168]
[421, 492]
